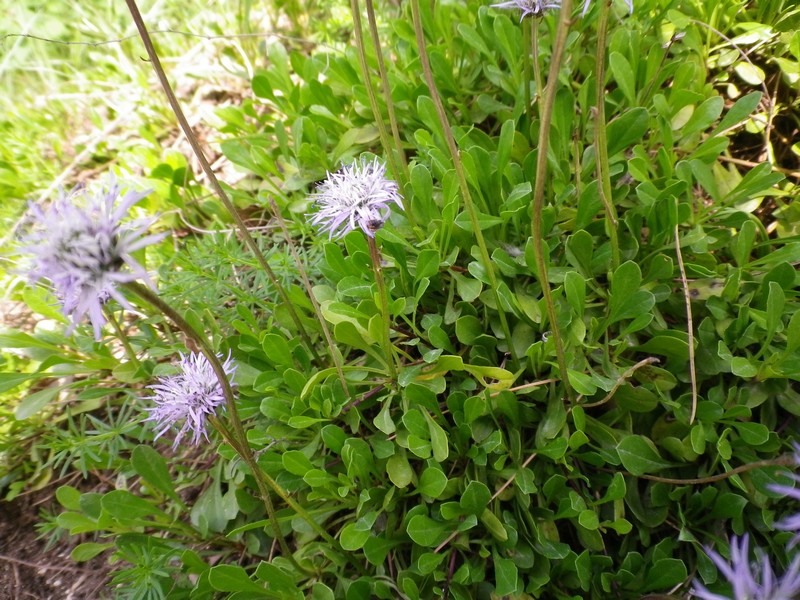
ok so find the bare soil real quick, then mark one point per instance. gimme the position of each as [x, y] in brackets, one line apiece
[29, 570]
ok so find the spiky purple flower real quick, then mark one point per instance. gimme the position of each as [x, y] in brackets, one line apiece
[357, 195]
[186, 400]
[588, 2]
[791, 523]
[751, 580]
[534, 8]
[80, 244]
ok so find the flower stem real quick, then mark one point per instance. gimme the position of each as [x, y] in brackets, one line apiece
[462, 180]
[355, 8]
[388, 348]
[778, 462]
[122, 337]
[387, 96]
[537, 67]
[601, 140]
[539, 246]
[212, 178]
[527, 47]
[237, 439]
[335, 354]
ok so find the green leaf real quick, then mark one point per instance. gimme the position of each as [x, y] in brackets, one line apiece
[754, 434]
[320, 591]
[438, 437]
[627, 300]
[69, 497]
[776, 300]
[427, 532]
[33, 403]
[579, 250]
[484, 221]
[703, 116]
[575, 289]
[399, 470]
[432, 482]
[233, 578]
[276, 349]
[493, 525]
[296, 463]
[126, 507]
[581, 382]
[505, 575]
[664, 574]
[743, 367]
[639, 455]
[427, 264]
[475, 498]
[468, 289]
[383, 420]
[88, 551]
[353, 539]
[628, 128]
[588, 519]
[623, 75]
[740, 110]
[743, 243]
[429, 561]
[152, 467]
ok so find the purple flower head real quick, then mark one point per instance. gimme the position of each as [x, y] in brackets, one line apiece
[791, 523]
[588, 2]
[535, 8]
[357, 195]
[751, 580]
[187, 399]
[80, 244]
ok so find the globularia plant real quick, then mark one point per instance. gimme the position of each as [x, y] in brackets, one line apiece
[188, 398]
[569, 368]
[83, 245]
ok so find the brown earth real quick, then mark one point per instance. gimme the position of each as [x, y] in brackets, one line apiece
[30, 570]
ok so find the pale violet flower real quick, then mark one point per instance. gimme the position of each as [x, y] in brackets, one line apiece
[791, 523]
[81, 245]
[186, 400]
[751, 580]
[356, 196]
[588, 2]
[533, 8]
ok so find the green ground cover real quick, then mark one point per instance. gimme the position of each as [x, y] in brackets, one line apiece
[564, 365]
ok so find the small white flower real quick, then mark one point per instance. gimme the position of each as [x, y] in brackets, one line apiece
[80, 244]
[751, 580]
[534, 8]
[357, 195]
[187, 399]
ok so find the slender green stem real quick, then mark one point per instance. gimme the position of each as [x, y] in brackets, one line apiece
[527, 46]
[536, 60]
[689, 324]
[373, 99]
[388, 347]
[212, 178]
[337, 357]
[784, 461]
[121, 336]
[238, 439]
[540, 250]
[387, 93]
[600, 138]
[462, 180]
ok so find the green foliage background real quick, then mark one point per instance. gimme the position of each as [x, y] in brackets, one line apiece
[482, 471]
